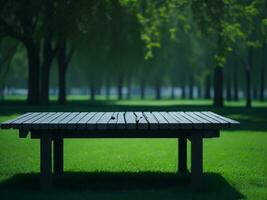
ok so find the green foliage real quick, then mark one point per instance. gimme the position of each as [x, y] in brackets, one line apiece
[220, 60]
[169, 40]
[155, 17]
[233, 31]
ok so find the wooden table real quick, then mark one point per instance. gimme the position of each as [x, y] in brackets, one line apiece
[53, 127]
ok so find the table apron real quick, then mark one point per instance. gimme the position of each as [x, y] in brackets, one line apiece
[205, 133]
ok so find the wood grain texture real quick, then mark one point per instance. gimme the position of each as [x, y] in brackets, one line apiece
[91, 124]
[163, 123]
[172, 122]
[7, 124]
[54, 123]
[130, 120]
[103, 121]
[184, 122]
[72, 124]
[120, 120]
[152, 121]
[82, 124]
[29, 123]
[18, 123]
[141, 121]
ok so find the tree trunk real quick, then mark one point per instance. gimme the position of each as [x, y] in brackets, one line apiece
[235, 79]
[120, 87]
[142, 89]
[248, 77]
[92, 91]
[129, 89]
[218, 72]
[199, 92]
[218, 86]
[108, 90]
[191, 88]
[172, 91]
[2, 94]
[228, 90]
[48, 55]
[62, 68]
[33, 51]
[158, 91]
[262, 82]
[263, 68]
[48, 52]
[207, 87]
[183, 91]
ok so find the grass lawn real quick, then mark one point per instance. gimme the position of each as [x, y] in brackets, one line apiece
[235, 164]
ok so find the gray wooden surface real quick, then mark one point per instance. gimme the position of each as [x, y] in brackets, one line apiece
[120, 120]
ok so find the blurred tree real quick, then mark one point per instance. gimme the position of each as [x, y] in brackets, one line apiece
[7, 51]
[20, 21]
[49, 52]
[70, 19]
[251, 22]
[263, 15]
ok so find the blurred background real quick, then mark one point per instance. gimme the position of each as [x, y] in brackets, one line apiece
[57, 50]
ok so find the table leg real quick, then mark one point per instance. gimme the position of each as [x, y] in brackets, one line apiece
[45, 161]
[58, 155]
[196, 161]
[182, 155]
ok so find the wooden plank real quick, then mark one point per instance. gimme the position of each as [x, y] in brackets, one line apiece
[173, 124]
[152, 121]
[121, 124]
[163, 123]
[141, 121]
[196, 123]
[29, 123]
[36, 123]
[206, 123]
[130, 120]
[7, 124]
[72, 124]
[215, 123]
[91, 124]
[233, 123]
[83, 122]
[63, 123]
[184, 122]
[18, 123]
[102, 123]
[54, 123]
[181, 119]
[45, 123]
[215, 118]
[112, 123]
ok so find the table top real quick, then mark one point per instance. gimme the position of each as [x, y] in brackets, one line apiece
[119, 121]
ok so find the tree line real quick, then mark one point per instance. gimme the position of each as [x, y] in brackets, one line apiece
[199, 43]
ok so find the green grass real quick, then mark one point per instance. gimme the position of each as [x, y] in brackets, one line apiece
[235, 164]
